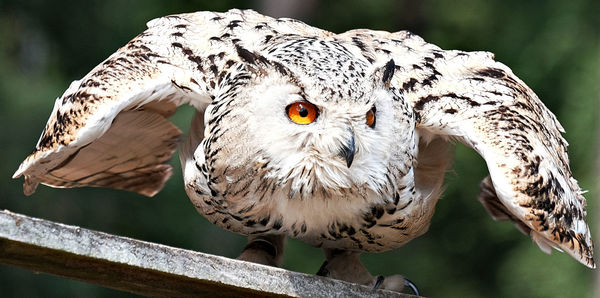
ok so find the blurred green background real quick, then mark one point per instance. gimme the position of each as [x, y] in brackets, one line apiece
[554, 46]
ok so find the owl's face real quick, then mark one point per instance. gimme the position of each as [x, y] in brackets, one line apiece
[316, 142]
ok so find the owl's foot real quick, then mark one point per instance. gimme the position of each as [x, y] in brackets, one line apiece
[393, 282]
[346, 265]
[264, 249]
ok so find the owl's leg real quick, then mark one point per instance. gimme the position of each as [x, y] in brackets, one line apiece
[346, 265]
[264, 249]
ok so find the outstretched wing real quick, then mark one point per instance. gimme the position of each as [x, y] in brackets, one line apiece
[472, 98]
[110, 129]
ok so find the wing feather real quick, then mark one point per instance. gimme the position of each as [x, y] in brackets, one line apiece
[131, 155]
[109, 128]
[469, 97]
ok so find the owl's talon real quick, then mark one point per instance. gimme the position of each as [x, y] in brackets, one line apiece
[395, 283]
[378, 282]
[412, 286]
[346, 265]
[322, 270]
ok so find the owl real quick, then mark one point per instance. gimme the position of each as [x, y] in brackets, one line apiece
[339, 140]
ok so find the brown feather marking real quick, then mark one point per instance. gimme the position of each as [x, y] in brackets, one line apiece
[495, 208]
[131, 155]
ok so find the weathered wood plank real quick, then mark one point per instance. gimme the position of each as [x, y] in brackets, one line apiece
[152, 269]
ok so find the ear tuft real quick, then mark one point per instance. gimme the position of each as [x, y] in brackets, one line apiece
[388, 72]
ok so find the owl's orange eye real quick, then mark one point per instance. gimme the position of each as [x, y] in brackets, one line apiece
[371, 117]
[302, 112]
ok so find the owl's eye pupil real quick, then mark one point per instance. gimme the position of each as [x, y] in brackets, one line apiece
[303, 112]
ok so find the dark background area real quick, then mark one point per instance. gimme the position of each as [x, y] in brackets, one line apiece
[554, 46]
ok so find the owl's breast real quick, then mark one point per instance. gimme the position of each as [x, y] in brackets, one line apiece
[357, 217]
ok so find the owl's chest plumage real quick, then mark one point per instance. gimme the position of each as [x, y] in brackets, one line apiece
[250, 199]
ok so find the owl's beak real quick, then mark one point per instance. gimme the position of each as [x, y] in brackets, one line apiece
[348, 149]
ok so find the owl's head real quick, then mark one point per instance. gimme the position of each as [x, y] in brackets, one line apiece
[315, 118]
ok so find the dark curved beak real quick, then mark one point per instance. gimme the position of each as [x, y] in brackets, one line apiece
[348, 149]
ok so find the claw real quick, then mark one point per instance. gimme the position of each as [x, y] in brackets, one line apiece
[378, 283]
[322, 270]
[407, 283]
[412, 286]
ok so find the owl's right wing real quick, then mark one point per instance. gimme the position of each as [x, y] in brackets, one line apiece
[469, 97]
[110, 128]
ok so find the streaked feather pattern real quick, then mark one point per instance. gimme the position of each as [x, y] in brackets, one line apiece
[249, 169]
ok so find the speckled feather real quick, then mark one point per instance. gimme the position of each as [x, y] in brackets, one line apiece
[248, 169]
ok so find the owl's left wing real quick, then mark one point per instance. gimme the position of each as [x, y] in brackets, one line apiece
[110, 128]
[467, 96]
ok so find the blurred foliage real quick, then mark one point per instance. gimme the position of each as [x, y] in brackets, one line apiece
[554, 46]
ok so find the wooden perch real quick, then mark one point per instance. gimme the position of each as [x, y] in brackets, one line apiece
[152, 269]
